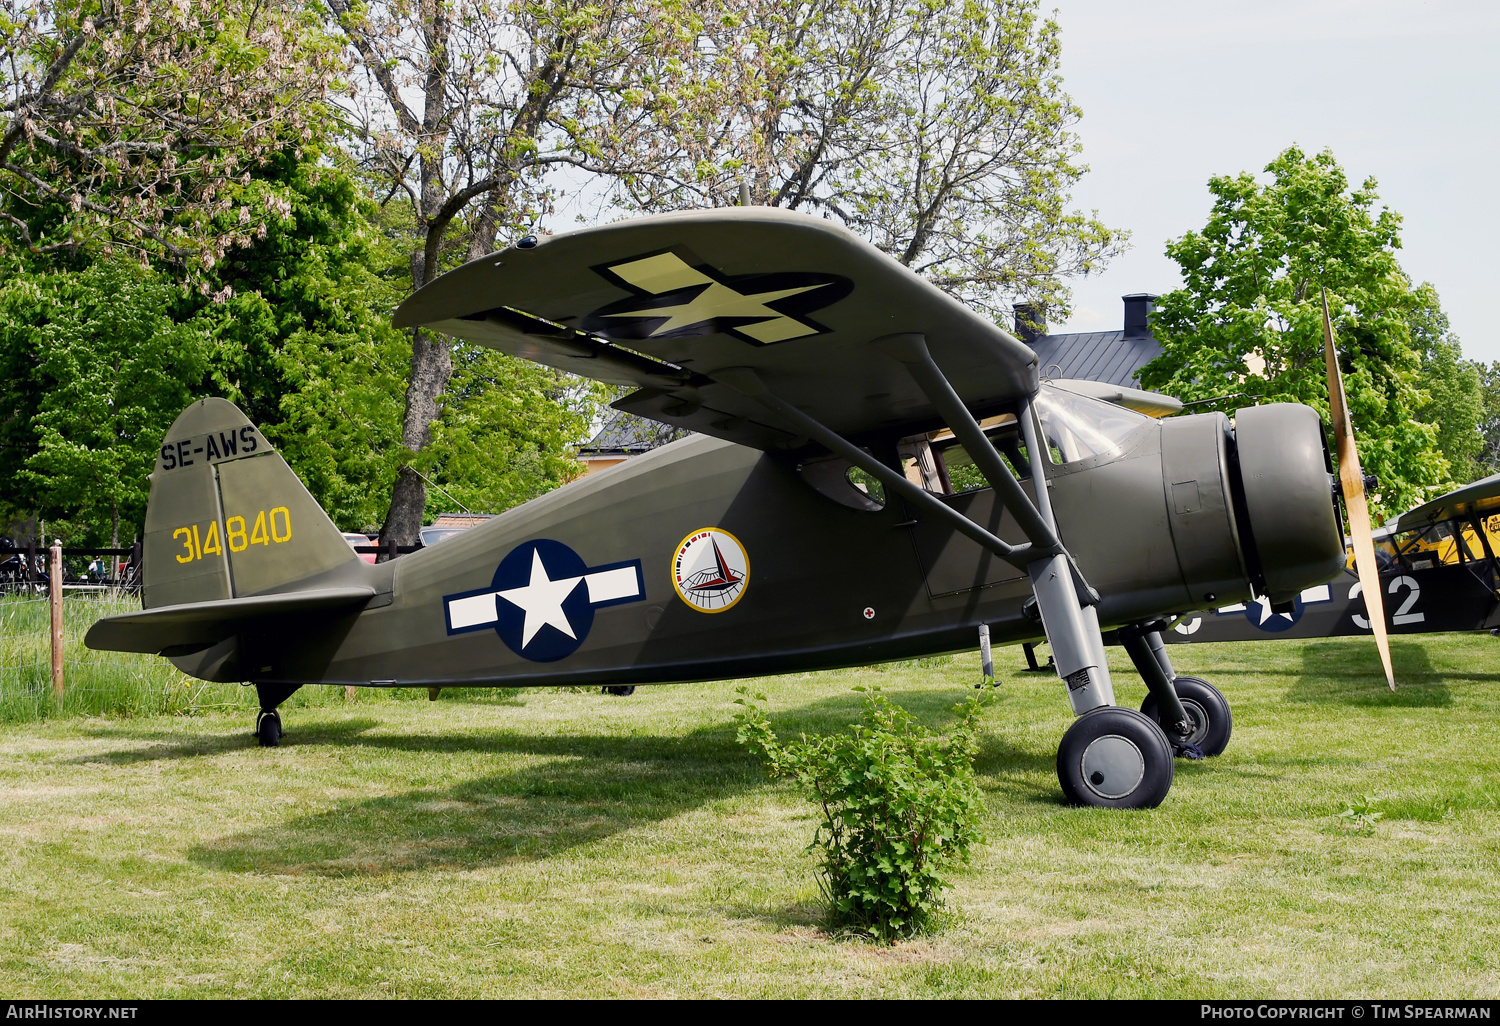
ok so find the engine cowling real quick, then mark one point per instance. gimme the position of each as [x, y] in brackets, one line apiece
[1283, 494]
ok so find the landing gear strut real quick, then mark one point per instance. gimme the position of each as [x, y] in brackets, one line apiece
[1191, 711]
[1029, 649]
[268, 722]
[1110, 756]
[1206, 707]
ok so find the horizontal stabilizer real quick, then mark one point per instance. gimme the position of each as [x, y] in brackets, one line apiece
[174, 630]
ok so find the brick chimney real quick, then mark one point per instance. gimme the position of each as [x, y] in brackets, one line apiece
[1138, 307]
[1031, 322]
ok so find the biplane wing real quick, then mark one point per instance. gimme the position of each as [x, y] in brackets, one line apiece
[680, 304]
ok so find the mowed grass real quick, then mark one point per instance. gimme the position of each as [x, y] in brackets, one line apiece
[565, 843]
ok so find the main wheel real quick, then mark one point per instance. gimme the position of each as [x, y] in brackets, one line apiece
[620, 691]
[268, 728]
[1114, 758]
[1209, 710]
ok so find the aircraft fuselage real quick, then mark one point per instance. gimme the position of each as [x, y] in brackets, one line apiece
[708, 560]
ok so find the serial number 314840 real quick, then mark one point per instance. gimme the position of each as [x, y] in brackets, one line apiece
[267, 528]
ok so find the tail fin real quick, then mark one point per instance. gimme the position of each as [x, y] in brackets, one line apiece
[227, 517]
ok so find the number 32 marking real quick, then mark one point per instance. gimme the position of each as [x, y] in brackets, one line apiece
[1404, 615]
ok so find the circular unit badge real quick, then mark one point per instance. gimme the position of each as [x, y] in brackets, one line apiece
[710, 570]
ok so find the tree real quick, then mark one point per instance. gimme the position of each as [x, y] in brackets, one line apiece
[95, 369]
[940, 132]
[1455, 399]
[98, 356]
[504, 431]
[1488, 460]
[305, 343]
[464, 105]
[126, 121]
[1248, 318]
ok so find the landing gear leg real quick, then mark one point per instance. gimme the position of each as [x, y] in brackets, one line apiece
[1029, 649]
[1110, 757]
[1194, 714]
[268, 722]
[1073, 632]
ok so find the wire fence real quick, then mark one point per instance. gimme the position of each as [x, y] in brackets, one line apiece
[116, 683]
[95, 683]
[27, 571]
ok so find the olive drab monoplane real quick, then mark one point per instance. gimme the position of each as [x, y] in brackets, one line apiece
[810, 521]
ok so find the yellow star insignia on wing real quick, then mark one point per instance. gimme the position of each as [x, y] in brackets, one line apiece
[667, 272]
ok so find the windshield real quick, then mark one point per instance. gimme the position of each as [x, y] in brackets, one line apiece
[1077, 426]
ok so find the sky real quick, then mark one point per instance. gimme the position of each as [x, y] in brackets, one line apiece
[1175, 92]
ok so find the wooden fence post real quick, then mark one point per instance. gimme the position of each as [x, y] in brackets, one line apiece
[54, 592]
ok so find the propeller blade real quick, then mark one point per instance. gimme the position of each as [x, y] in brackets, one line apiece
[1353, 480]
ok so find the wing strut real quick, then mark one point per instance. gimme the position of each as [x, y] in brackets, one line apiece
[1063, 596]
[1064, 599]
[746, 382]
[912, 351]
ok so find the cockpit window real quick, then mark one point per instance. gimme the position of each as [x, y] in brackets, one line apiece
[1077, 427]
[864, 481]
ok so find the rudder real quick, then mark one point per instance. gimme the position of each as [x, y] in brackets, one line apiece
[227, 517]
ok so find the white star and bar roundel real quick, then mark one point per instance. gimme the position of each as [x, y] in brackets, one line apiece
[710, 570]
[542, 599]
[676, 296]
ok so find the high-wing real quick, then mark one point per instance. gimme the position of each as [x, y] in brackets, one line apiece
[1482, 496]
[669, 303]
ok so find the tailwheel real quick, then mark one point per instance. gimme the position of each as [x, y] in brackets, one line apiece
[619, 691]
[268, 728]
[1115, 758]
[1208, 709]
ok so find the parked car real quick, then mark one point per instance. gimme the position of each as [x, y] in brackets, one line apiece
[359, 540]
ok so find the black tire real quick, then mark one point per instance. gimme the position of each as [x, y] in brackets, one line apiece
[1114, 758]
[1209, 709]
[619, 691]
[268, 728]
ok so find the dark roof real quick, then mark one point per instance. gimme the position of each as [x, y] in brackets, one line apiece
[625, 434]
[1111, 357]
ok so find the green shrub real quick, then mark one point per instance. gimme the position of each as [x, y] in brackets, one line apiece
[1359, 815]
[899, 808]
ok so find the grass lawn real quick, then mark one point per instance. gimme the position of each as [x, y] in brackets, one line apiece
[565, 843]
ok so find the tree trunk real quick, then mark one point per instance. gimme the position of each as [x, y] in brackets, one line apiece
[431, 367]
